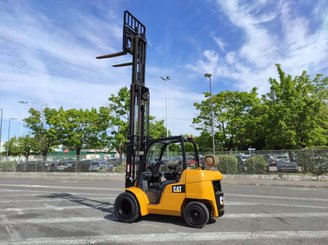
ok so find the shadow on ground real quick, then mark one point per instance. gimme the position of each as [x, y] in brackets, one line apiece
[108, 207]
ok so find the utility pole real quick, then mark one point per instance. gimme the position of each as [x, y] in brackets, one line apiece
[208, 75]
[22, 103]
[9, 136]
[165, 79]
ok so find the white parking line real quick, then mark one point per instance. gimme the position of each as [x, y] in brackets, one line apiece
[47, 193]
[112, 200]
[226, 216]
[52, 220]
[58, 199]
[272, 204]
[65, 187]
[13, 233]
[51, 207]
[17, 192]
[277, 197]
[174, 237]
[276, 215]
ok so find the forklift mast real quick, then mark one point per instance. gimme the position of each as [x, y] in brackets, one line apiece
[134, 43]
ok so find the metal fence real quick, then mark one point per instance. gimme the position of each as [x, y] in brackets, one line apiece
[313, 161]
[62, 164]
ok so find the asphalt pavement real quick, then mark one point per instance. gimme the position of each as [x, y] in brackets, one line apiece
[79, 210]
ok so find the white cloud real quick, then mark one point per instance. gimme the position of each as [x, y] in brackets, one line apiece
[295, 46]
[219, 42]
[58, 67]
[180, 99]
[45, 64]
[230, 57]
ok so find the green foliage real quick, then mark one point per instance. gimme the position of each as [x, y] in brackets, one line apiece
[119, 115]
[293, 114]
[235, 114]
[11, 147]
[228, 164]
[256, 165]
[7, 166]
[313, 161]
[41, 125]
[27, 146]
[80, 128]
[120, 168]
[156, 128]
[119, 109]
[296, 111]
[204, 142]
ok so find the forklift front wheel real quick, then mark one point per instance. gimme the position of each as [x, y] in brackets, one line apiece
[126, 208]
[196, 214]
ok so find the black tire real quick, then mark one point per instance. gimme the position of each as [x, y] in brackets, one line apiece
[126, 208]
[196, 214]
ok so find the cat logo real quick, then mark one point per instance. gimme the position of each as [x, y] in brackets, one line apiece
[178, 189]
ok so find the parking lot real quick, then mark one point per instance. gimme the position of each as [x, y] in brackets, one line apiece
[79, 210]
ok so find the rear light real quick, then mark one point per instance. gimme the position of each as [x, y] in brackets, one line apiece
[219, 197]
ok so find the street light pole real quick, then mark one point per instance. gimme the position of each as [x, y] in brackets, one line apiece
[165, 79]
[9, 136]
[208, 75]
[1, 132]
[23, 103]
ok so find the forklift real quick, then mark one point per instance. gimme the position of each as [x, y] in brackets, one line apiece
[160, 178]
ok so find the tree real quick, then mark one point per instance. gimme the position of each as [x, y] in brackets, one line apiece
[11, 147]
[204, 142]
[156, 128]
[27, 146]
[41, 125]
[296, 111]
[235, 118]
[119, 106]
[81, 128]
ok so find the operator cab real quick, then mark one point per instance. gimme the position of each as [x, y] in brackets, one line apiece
[165, 160]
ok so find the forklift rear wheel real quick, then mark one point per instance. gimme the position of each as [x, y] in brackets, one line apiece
[196, 214]
[126, 208]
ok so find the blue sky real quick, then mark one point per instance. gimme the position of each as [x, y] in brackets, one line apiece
[48, 50]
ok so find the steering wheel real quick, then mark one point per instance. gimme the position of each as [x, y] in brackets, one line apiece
[174, 172]
[154, 168]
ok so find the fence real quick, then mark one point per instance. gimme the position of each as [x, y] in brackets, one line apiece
[313, 161]
[248, 162]
[62, 164]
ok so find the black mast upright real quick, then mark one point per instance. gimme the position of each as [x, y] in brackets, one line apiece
[134, 43]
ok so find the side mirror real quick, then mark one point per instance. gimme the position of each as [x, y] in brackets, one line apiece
[210, 161]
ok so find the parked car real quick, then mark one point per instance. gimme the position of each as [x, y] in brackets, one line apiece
[113, 161]
[62, 165]
[283, 166]
[282, 158]
[100, 165]
[242, 161]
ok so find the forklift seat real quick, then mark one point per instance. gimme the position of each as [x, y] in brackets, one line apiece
[167, 182]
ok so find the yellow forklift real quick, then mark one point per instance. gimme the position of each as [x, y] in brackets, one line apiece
[160, 177]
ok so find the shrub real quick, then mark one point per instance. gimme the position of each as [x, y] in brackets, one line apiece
[256, 165]
[7, 166]
[120, 168]
[313, 161]
[228, 164]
